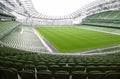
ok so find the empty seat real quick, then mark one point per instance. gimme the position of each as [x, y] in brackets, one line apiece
[79, 75]
[10, 73]
[71, 64]
[112, 75]
[114, 68]
[96, 75]
[51, 63]
[18, 66]
[78, 68]
[41, 67]
[97, 68]
[61, 64]
[32, 67]
[27, 74]
[44, 74]
[61, 75]
[66, 68]
[54, 68]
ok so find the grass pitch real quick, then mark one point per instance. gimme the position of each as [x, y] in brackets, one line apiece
[72, 39]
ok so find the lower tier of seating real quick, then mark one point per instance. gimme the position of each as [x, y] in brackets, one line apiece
[24, 38]
[11, 73]
[16, 64]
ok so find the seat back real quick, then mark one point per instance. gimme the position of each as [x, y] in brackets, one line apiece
[96, 75]
[44, 74]
[27, 74]
[61, 75]
[79, 75]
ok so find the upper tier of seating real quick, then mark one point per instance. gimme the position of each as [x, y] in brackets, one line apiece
[105, 15]
[6, 27]
[109, 19]
[112, 16]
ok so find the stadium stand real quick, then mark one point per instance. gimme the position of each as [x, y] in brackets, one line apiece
[24, 38]
[48, 66]
[5, 15]
[104, 19]
[39, 64]
[7, 23]
[106, 15]
[6, 27]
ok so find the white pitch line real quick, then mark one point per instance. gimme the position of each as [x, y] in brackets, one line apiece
[21, 31]
[100, 31]
[42, 41]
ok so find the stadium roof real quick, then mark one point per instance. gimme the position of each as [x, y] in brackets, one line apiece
[26, 8]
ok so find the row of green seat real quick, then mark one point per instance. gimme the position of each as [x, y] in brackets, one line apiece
[48, 66]
[6, 27]
[12, 73]
[24, 38]
[112, 16]
[106, 15]
[61, 66]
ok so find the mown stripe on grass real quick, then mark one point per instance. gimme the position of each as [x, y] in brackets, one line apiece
[70, 39]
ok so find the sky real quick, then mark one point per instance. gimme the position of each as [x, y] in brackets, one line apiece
[59, 7]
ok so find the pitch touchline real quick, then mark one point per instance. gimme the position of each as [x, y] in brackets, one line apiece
[100, 31]
[42, 41]
[21, 31]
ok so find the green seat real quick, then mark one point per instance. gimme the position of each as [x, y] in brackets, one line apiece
[66, 68]
[18, 66]
[61, 64]
[114, 68]
[51, 63]
[81, 64]
[8, 64]
[41, 67]
[41, 63]
[78, 68]
[54, 68]
[79, 75]
[32, 67]
[44, 74]
[96, 75]
[27, 74]
[10, 73]
[61, 75]
[97, 68]
[112, 75]
[71, 64]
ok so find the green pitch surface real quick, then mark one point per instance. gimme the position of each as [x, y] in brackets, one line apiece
[72, 39]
